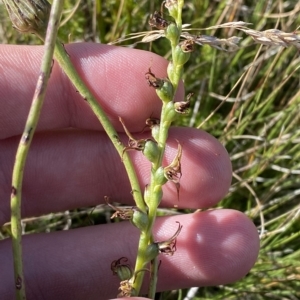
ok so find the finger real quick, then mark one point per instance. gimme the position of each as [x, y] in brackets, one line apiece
[115, 75]
[214, 247]
[71, 169]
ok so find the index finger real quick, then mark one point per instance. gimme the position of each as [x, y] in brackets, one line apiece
[115, 75]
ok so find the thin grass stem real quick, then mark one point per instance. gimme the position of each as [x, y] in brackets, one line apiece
[24, 145]
[65, 63]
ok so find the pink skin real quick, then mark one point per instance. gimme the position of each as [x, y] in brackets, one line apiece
[69, 168]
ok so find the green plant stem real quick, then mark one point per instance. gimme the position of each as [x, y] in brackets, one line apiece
[24, 145]
[179, 15]
[64, 61]
[153, 278]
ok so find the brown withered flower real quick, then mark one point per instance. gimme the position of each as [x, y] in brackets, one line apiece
[150, 123]
[122, 213]
[156, 20]
[133, 144]
[187, 45]
[168, 247]
[126, 289]
[153, 81]
[183, 107]
[173, 171]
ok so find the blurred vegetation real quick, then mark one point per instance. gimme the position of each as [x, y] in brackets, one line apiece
[258, 123]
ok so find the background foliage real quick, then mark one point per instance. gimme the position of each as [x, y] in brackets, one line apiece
[258, 123]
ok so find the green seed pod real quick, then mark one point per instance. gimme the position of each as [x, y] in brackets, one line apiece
[151, 151]
[159, 176]
[155, 132]
[172, 33]
[151, 252]
[140, 220]
[121, 268]
[124, 272]
[169, 113]
[180, 57]
[174, 73]
[165, 92]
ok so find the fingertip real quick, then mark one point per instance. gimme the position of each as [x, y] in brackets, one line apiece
[115, 75]
[236, 246]
[206, 169]
[214, 247]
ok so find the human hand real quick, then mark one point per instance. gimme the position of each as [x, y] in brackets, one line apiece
[69, 168]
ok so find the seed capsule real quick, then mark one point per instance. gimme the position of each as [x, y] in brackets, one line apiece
[140, 220]
[181, 56]
[151, 252]
[121, 268]
[170, 113]
[151, 151]
[165, 92]
[159, 176]
[172, 33]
